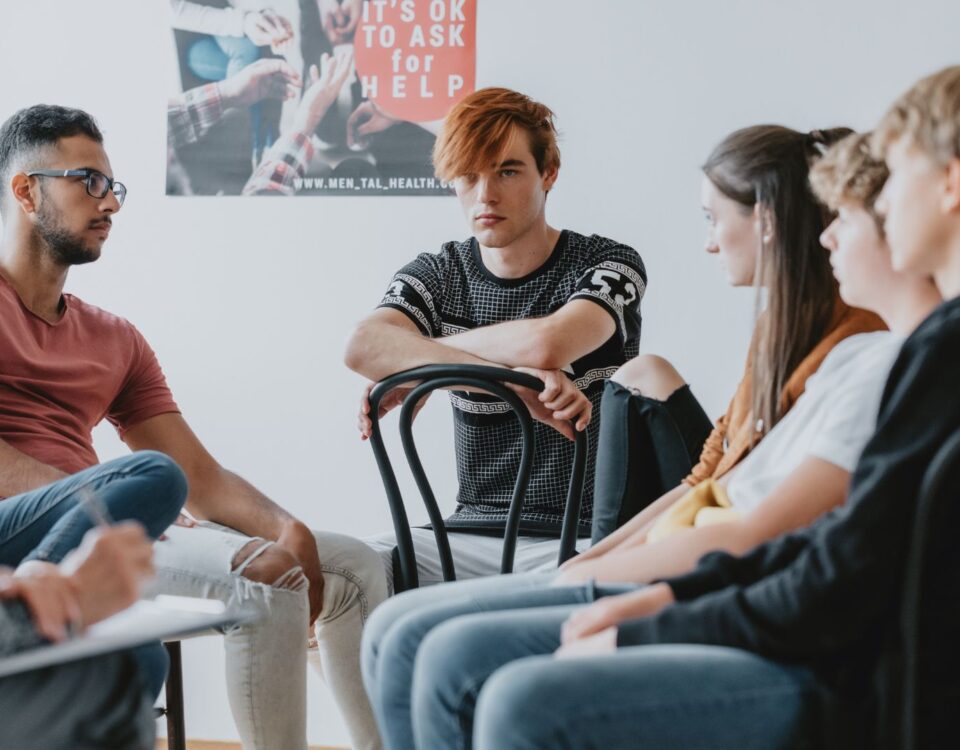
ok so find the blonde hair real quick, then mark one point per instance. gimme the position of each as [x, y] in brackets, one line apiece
[478, 128]
[928, 114]
[848, 171]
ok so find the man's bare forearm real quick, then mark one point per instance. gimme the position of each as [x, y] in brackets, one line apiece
[230, 500]
[21, 473]
[219, 495]
[377, 350]
[549, 343]
[388, 342]
[515, 343]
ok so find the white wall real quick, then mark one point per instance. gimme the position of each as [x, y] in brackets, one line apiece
[248, 301]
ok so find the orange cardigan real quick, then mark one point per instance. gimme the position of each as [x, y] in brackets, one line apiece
[735, 432]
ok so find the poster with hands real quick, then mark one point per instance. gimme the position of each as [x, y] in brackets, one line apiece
[314, 97]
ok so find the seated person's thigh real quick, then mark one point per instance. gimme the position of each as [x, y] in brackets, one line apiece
[90, 703]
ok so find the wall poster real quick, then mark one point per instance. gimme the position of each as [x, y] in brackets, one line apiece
[314, 97]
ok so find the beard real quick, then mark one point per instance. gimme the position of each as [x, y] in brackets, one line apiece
[66, 248]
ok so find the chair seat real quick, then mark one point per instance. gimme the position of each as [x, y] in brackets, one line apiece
[199, 634]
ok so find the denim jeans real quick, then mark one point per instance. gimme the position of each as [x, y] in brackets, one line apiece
[391, 655]
[83, 705]
[474, 556]
[49, 522]
[658, 696]
[489, 680]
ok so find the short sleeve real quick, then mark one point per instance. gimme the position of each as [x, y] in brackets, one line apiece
[416, 290]
[852, 416]
[616, 281]
[144, 393]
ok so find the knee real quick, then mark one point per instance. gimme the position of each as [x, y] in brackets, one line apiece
[271, 565]
[395, 637]
[354, 575]
[506, 706]
[375, 631]
[650, 374]
[166, 488]
[389, 616]
[367, 570]
[444, 660]
[165, 472]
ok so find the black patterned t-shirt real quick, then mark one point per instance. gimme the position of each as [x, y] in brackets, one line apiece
[452, 291]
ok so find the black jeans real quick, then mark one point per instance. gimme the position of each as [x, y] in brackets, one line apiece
[646, 448]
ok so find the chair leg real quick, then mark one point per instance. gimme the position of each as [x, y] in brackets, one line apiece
[176, 733]
[399, 584]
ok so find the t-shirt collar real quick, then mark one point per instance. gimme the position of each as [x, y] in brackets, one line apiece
[539, 271]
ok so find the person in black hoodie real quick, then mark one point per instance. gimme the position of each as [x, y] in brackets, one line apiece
[797, 643]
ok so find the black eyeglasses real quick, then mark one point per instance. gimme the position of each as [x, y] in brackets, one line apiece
[98, 184]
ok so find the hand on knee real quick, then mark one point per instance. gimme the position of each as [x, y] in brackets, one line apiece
[265, 562]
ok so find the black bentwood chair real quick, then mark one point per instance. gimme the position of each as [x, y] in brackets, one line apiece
[490, 379]
[173, 710]
[930, 610]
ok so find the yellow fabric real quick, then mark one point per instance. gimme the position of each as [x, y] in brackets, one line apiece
[705, 504]
[709, 516]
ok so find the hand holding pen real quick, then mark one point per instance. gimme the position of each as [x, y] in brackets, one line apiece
[102, 576]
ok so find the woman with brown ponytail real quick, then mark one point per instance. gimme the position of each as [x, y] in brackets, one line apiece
[655, 441]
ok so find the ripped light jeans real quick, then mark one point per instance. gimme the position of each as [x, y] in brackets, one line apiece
[266, 659]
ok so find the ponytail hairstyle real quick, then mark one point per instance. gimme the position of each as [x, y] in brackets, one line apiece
[768, 166]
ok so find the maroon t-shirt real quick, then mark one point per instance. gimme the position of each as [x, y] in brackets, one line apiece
[59, 380]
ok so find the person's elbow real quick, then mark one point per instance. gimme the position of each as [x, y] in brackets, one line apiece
[360, 347]
[549, 349]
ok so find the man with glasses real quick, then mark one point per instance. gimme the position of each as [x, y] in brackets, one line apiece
[67, 364]
[98, 184]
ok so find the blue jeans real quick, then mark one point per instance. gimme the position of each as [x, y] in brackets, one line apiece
[48, 523]
[390, 652]
[658, 696]
[428, 655]
[83, 705]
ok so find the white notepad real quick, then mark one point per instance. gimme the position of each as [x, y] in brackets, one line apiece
[163, 618]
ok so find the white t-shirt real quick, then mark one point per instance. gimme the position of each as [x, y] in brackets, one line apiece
[832, 420]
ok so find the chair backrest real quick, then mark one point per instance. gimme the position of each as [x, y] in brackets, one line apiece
[930, 609]
[491, 379]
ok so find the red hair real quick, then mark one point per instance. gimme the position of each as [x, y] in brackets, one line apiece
[478, 128]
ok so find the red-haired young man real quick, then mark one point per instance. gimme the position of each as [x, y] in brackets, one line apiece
[518, 293]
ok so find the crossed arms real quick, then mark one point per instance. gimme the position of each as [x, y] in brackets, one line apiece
[387, 342]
